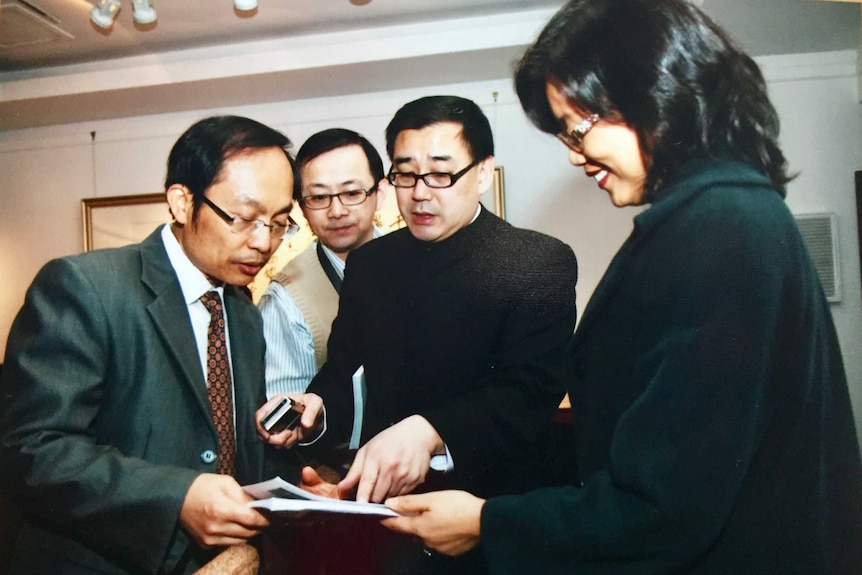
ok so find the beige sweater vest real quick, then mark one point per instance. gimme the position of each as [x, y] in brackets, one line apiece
[306, 282]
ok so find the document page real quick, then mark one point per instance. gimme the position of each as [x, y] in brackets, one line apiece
[281, 496]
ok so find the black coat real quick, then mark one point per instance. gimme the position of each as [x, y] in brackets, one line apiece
[713, 423]
[468, 332]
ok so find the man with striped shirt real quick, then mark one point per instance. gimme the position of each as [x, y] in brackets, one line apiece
[340, 172]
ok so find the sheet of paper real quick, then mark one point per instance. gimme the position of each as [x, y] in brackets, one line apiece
[281, 496]
[359, 391]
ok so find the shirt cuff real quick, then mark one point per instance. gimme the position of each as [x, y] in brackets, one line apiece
[313, 440]
[443, 463]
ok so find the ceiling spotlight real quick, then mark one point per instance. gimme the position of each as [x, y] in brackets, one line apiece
[144, 13]
[244, 5]
[104, 13]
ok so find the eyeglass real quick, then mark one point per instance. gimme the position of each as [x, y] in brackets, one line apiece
[431, 179]
[574, 137]
[347, 198]
[246, 226]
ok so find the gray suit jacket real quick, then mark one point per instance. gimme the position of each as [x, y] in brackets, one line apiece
[104, 420]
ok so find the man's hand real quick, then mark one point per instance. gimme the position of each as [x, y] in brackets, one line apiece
[307, 424]
[313, 483]
[214, 512]
[395, 461]
[446, 521]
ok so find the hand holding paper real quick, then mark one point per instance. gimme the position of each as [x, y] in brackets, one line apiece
[447, 521]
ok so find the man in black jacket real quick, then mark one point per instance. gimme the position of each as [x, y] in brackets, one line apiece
[458, 321]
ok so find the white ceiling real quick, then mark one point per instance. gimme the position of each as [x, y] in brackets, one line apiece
[289, 49]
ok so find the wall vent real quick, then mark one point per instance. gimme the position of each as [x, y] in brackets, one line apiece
[821, 236]
[23, 24]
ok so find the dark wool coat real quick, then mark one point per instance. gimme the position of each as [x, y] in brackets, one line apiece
[468, 332]
[711, 410]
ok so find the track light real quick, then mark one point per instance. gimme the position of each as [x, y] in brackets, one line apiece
[144, 13]
[104, 14]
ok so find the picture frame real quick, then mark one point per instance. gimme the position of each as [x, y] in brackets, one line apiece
[495, 198]
[116, 221]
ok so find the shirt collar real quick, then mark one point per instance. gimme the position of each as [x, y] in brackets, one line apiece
[337, 263]
[193, 282]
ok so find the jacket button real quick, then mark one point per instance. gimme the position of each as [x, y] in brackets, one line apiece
[208, 456]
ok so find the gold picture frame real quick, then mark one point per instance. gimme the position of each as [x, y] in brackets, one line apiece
[117, 221]
[496, 201]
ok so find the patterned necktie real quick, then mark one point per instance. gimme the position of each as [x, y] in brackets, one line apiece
[219, 389]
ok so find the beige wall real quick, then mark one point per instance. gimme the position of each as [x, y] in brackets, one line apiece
[44, 173]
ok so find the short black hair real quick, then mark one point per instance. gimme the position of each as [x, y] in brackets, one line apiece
[666, 70]
[421, 113]
[198, 156]
[335, 138]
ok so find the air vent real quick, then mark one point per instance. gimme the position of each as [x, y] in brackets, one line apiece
[821, 237]
[24, 24]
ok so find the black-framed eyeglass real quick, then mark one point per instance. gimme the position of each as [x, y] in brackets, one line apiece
[247, 227]
[347, 198]
[574, 137]
[431, 179]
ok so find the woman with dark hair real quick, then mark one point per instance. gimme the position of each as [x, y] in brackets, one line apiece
[713, 423]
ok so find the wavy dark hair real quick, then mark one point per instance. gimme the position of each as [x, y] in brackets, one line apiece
[667, 71]
[198, 156]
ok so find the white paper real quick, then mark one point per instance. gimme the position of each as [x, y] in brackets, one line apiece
[279, 495]
[358, 406]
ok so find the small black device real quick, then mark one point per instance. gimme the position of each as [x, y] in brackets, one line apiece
[285, 415]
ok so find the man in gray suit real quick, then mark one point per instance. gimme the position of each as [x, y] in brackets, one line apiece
[112, 438]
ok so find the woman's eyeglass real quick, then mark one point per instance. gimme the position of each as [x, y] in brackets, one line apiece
[574, 137]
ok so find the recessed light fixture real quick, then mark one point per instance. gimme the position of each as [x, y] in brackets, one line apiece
[244, 5]
[104, 13]
[144, 13]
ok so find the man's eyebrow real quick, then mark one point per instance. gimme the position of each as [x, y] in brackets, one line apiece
[322, 186]
[405, 159]
[254, 203]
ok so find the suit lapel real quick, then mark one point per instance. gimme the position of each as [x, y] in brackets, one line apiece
[691, 180]
[168, 309]
[607, 286]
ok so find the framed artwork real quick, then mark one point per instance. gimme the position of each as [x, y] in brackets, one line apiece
[495, 198]
[117, 221]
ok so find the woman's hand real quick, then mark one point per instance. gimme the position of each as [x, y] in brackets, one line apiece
[446, 521]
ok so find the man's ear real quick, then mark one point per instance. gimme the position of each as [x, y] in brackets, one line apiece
[382, 188]
[180, 201]
[485, 175]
